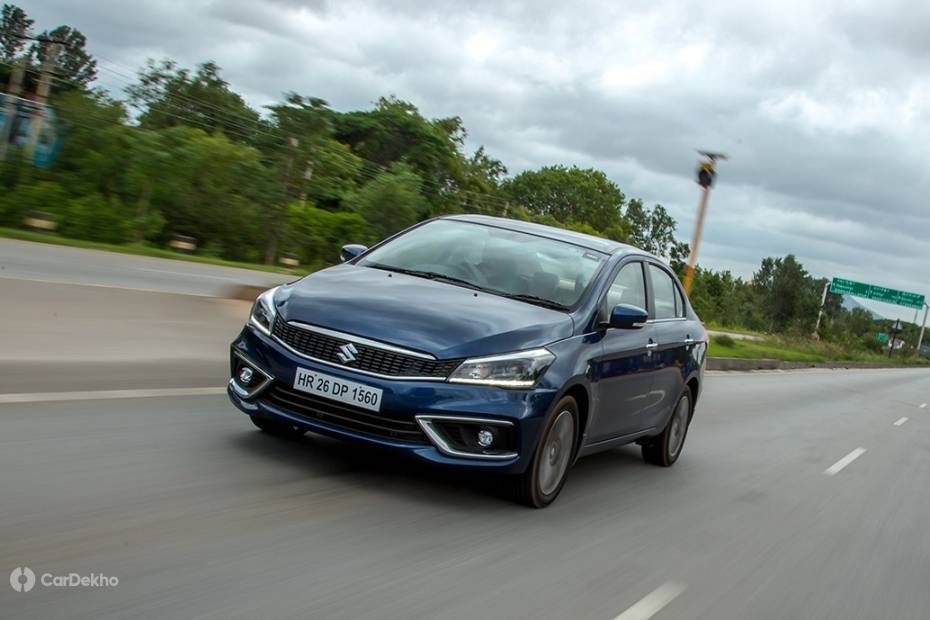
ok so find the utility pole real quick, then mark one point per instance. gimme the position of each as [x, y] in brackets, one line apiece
[823, 302]
[706, 173]
[45, 85]
[9, 112]
[920, 339]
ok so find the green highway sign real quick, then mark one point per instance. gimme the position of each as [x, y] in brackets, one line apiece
[882, 337]
[878, 293]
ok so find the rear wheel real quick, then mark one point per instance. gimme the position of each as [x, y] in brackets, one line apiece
[665, 449]
[542, 481]
[276, 428]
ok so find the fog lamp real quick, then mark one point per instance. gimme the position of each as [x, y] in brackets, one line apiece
[245, 375]
[485, 437]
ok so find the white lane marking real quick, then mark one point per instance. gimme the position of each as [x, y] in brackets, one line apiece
[654, 602]
[843, 462]
[923, 405]
[50, 397]
[188, 274]
[113, 286]
[901, 421]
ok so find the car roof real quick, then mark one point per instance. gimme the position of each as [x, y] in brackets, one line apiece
[600, 244]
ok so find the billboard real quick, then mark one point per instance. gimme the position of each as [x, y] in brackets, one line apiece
[17, 117]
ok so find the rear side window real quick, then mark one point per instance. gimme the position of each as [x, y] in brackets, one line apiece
[628, 287]
[667, 299]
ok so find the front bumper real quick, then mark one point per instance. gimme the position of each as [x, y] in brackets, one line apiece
[523, 411]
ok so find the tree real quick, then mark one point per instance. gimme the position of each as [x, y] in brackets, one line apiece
[14, 27]
[568, 195]
[168, 96]
[390, 202]
[786, 296]
[653, 230]
[394, 132]
[93, 142]
[72, 64]
[299, 128]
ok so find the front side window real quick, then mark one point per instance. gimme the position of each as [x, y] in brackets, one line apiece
[668, 304]
[505, 262]
[628, 287]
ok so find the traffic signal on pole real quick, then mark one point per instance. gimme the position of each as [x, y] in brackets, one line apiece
[706, 174]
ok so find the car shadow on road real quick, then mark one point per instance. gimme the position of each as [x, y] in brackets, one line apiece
[380, 470]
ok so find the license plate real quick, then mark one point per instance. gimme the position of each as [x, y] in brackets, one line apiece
[334, 388]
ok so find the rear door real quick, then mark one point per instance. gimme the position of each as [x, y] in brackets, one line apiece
[674, 337]
[624, 368]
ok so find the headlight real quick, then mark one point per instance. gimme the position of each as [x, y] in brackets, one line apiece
[264, 312]
[512, 370]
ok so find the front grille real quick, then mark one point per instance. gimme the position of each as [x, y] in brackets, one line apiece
[393, 425]
[368, 358]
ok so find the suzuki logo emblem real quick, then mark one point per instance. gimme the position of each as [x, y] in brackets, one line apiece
[347, 353]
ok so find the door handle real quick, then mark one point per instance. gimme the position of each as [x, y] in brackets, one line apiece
[689, 341]
[651, 345]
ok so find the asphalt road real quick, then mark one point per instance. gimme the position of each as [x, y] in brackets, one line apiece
[23, 260]
[199, 515]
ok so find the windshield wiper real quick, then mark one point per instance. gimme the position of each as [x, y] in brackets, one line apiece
[533, 299]
[429, 275]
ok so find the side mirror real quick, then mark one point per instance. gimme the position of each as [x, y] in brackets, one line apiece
[625, 316]
[348, 252]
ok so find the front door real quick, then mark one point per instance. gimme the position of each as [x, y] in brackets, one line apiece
[623, 371]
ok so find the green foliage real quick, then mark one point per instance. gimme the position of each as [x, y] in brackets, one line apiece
[390, 202]
[168, 96]
[567, 195]
[43, 196]
[14, 25]
[316, 235]
[724, 340]
[95, 218]
[653, 230]
[786, 296]
[72, 63]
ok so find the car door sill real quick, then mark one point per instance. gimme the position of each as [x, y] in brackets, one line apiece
[605, 444]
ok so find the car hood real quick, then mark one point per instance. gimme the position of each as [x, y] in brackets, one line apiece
[442, 319]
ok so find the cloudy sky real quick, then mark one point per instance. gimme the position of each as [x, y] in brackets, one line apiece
[822, 105]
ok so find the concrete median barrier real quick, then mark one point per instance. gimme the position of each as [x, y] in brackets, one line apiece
[244, 292]
[744, 365]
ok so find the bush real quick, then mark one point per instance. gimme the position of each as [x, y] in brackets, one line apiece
[725, 341]
[94, 218]
[22, 200]
[316, 235]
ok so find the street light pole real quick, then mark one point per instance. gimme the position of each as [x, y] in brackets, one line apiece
[706, 174]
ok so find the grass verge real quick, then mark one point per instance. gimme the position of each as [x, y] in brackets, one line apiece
[791, 350]
[139, 249]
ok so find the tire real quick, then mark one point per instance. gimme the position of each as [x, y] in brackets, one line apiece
[665, 449]
[542, 481]
[276, 428]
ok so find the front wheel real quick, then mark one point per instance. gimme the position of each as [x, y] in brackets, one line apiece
[540, 484]
[276, 428]
[665, 449]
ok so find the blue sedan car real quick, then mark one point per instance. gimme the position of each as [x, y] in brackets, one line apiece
[479, 343]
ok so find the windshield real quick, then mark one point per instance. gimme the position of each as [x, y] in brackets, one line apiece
[505, 262]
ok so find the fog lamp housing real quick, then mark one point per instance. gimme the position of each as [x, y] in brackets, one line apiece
[248, 379]
[464, 436]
